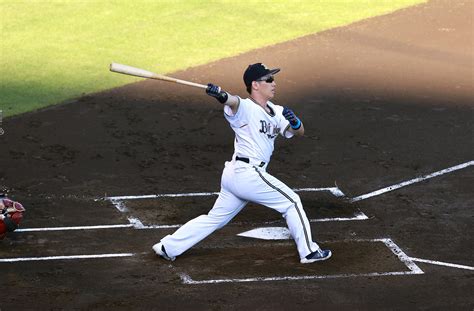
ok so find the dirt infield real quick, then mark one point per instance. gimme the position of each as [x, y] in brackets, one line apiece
[383, 101]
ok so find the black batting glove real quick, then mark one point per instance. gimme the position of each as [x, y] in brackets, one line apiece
[295, 122]
[213, 90]
[216, 92]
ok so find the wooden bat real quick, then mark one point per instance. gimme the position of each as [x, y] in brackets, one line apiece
[132, 71]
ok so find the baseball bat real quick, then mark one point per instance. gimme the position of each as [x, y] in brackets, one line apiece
[132, 71]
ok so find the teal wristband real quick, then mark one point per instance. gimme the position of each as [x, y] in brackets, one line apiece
[297, 125]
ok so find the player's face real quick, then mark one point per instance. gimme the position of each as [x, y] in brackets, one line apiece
[266, 87]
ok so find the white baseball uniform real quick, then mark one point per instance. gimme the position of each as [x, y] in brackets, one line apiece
[255, 132]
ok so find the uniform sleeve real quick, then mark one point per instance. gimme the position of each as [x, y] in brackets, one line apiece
[283, 123]
[239, 118]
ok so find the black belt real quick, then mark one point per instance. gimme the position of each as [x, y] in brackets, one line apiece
[247, 160]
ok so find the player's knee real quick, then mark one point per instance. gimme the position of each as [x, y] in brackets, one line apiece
[293, 204]
[295, 201]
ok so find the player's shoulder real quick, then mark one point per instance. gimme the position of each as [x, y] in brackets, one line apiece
[277, 108]
[247, 104]
[241, 110]
[245, 101]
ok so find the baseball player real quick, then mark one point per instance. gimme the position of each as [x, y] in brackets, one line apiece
[256, 122]
[11, 213]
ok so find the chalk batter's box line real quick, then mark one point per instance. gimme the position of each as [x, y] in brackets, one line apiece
[407, 261]
[71, 257]
[412, 181]
[118, 202]
[137, 224]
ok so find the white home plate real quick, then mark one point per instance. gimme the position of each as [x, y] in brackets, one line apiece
[268, 233]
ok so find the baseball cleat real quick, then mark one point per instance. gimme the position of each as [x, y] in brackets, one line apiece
[160, 251]
[318, 255]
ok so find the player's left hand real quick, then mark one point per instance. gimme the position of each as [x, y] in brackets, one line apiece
[213, 90]
[295, 122]
[216, 92]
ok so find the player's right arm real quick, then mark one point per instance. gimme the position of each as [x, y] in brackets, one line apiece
[223, 97]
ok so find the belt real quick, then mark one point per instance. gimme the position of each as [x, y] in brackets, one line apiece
[247, 160]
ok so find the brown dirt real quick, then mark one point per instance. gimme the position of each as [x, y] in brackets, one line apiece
[383, 100]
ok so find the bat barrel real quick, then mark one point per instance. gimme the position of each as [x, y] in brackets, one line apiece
[133, 71]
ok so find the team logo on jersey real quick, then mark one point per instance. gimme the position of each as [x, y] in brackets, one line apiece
[268, 129]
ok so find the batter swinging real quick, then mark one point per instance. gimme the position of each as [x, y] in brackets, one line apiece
[256, 122]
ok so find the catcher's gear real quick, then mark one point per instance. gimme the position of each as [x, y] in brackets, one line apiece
[10, 216]
[216, 92]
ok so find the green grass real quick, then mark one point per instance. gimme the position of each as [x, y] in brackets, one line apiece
[51, 51]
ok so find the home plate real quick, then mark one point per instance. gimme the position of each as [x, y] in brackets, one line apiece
[267, 233]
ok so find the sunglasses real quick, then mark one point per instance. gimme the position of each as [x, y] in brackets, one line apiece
[268, 80]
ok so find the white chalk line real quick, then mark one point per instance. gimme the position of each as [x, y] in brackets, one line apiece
[440, 263]
[411, 181]
[401, 255]
[186, 279]
[334, 190]
[412, 267]
[119, 204]
[75, 228]
[357, 216]
[163, 195]
[117, 200]
[66, 257]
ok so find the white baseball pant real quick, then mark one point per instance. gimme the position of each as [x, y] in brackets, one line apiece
[242, 182]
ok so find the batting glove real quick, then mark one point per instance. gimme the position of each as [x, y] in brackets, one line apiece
[295, 122]
[216, 92]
